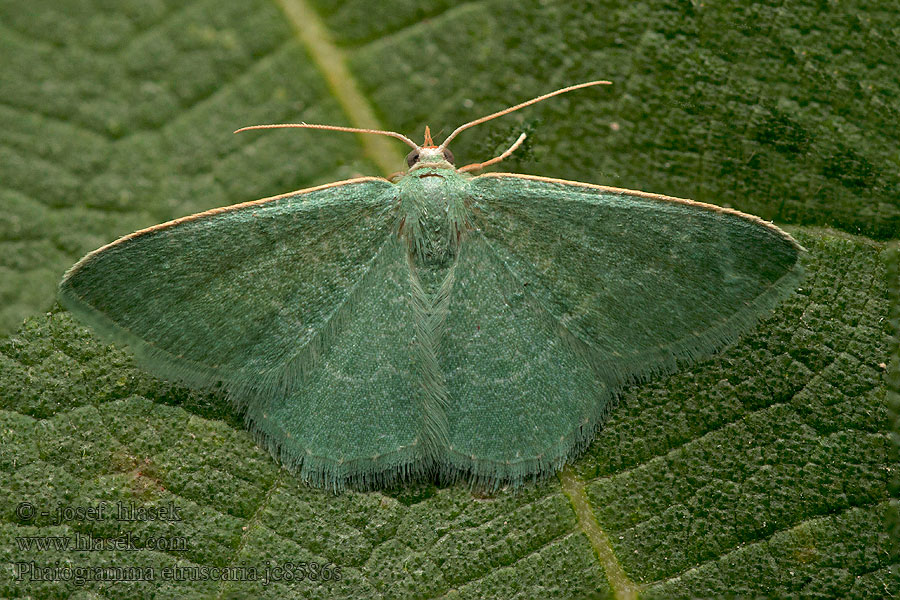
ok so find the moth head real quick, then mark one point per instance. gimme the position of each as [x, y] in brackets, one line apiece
[429, 154]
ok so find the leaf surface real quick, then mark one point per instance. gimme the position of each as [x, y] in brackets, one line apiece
[766, 470]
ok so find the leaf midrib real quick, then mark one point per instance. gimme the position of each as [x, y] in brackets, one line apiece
[329, 59]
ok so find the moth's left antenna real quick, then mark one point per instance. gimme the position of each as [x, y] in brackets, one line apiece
[399, 136]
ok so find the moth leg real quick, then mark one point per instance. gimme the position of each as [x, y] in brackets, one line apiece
[496, 159]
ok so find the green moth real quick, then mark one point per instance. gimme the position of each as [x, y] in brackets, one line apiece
[440, 323]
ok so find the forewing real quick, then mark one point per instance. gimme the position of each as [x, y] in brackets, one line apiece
[640, 282]
[246, 295]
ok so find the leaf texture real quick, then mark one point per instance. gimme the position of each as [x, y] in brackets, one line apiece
[762, 472]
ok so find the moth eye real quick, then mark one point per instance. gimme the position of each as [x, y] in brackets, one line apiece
[448, 156]
[412, 158]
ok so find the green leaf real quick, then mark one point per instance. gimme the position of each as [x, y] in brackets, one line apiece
[764, 471]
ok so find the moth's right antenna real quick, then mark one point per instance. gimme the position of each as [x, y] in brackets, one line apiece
[518, 106]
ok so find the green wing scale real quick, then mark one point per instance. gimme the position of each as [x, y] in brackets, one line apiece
[443, 325]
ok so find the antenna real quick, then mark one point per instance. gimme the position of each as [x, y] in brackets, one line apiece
[399, 136]
[518, 106]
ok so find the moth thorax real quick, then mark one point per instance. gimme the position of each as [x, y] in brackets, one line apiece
[433, 224]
